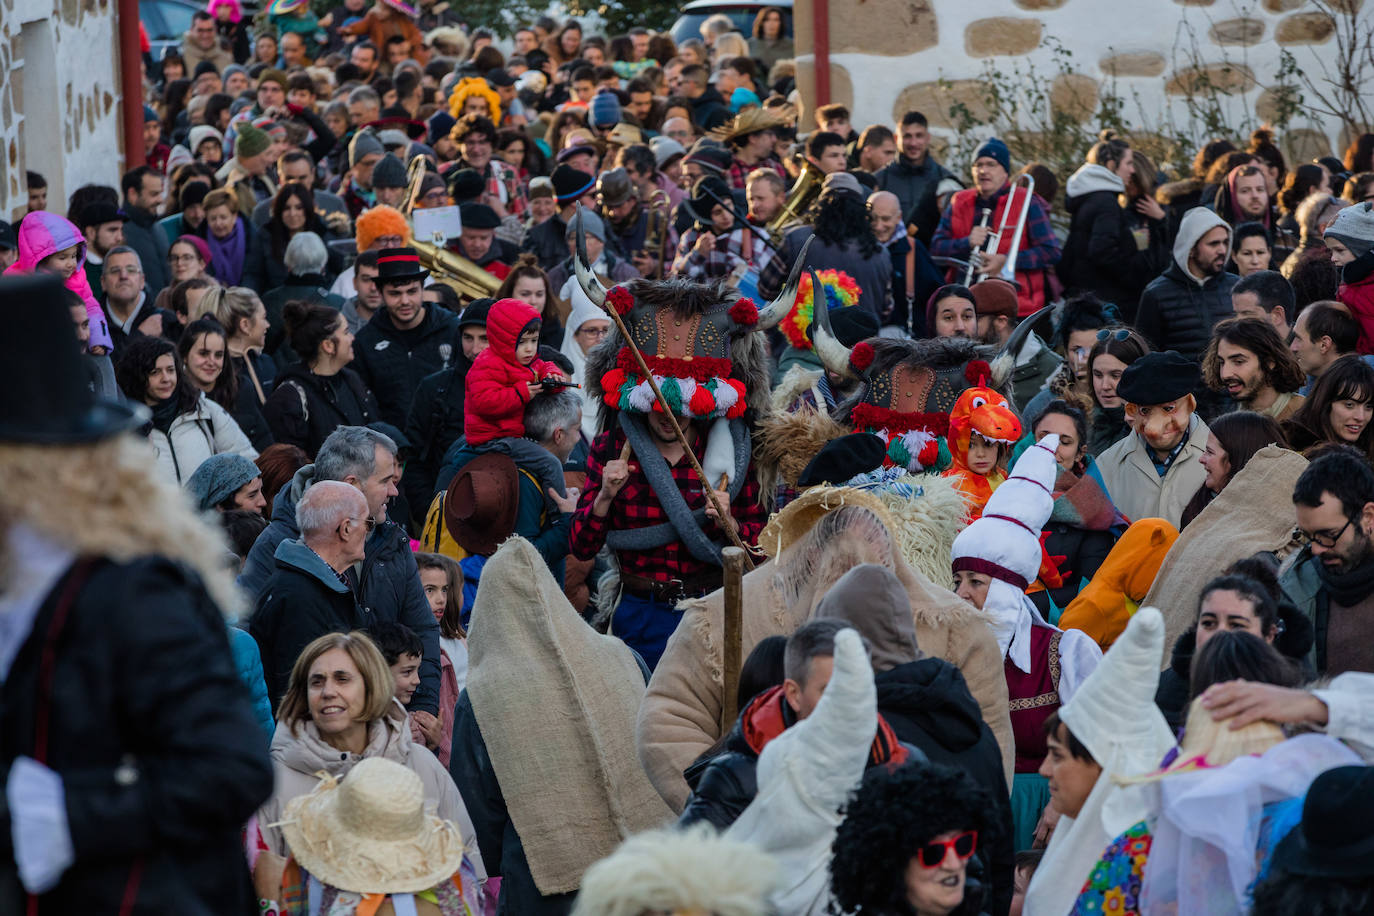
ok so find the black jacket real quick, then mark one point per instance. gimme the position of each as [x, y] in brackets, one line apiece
[1176, 313]
[305, 287]
[435, 422]
[146, 309]
[388, 584]
[1083, 549]
[1101, 255]
[502, 852]
[915, 187]
[154, 736]
[142, 235]
[709, 110]
[302, 600]
[393, 362]
[548, 243]
[248, 410]
[928, 705]
[304, 408]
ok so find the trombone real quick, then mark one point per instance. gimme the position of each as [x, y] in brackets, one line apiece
[994, 239]
[448, 267]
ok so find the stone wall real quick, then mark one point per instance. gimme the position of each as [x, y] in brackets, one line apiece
[890, 56]
[59, 94]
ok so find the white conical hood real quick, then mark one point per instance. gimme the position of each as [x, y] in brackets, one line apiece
[1007, 537]
[1114, 715]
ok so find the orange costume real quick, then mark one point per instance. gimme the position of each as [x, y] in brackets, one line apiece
[986, 412]
[1105, 604]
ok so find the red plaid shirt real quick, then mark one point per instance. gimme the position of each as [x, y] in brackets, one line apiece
[636, 506]
[739, 171]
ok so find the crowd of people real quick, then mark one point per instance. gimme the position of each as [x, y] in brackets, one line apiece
[356, 568]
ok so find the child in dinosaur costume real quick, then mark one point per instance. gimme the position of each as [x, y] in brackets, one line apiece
[982, 430]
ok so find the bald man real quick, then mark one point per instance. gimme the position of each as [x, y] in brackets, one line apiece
[307, 594]
[679, 129]
[914, 276]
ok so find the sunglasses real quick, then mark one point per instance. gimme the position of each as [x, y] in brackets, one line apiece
[1117, 334]
[934, 852]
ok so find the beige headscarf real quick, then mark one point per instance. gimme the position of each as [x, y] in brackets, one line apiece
[556, 704]
[1253, 513]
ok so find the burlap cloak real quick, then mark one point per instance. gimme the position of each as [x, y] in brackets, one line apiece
[1253, 513]
[556, 704]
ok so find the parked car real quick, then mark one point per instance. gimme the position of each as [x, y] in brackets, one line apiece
[166, 22]
[741, 12]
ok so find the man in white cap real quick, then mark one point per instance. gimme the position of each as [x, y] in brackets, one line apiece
[1113, 717]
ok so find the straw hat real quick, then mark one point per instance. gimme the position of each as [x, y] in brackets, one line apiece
[798, 517]
[369, 834]
[749, 121]
[1208, 743]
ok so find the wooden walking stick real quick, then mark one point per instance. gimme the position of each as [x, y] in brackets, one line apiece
[733, 650]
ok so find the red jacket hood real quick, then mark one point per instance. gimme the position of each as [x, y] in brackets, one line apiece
[506, 320]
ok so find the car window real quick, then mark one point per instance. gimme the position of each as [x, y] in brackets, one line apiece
[172, 20]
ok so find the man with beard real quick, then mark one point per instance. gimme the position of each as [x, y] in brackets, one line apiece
[1249, 363]
[1180, 307]
[1332, 580]
[627, 220]
[1153, 471]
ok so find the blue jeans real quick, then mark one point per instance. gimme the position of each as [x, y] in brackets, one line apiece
[644, 625]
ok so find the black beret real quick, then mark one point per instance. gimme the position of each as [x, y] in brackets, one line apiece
[844, 458]
[1158, 378]
[479, 216]
[852, 324]
[465, 185]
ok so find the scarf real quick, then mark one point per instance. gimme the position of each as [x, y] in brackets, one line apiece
[227, 255]
[1082, 503]
[1351, 588]
[165, 413]
[768, 716]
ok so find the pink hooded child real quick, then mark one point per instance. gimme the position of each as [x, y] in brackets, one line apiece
[42, 234]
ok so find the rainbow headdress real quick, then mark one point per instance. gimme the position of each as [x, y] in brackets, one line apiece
[283, 7]
[840, 291]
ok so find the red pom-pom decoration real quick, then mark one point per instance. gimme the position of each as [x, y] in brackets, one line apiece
[740, 405]
[612, 380]
[744, 312]
[620, 299]
[861, 356]
[702, 403]
[977, 372]
[930, 453]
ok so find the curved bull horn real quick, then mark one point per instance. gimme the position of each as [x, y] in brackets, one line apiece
[834, 355]
[777, 310]
[589, 282]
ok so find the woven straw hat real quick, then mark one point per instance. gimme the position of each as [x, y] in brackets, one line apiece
[798, 517]
[369, 833]
[749, 121]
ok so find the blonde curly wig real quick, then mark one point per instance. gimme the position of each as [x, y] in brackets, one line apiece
[105, 499]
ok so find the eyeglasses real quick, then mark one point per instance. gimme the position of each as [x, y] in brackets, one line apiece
[1117, 334]
[182, 258]
[1324, 541]
[934, 852]
[124, 271]
[369, 523]
[592, 332]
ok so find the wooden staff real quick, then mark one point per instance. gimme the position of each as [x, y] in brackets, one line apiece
[722, 512]
[733, 650]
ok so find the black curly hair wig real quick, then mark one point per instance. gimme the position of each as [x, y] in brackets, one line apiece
[891, 816]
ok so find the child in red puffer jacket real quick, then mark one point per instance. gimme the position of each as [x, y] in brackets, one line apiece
[505, 376]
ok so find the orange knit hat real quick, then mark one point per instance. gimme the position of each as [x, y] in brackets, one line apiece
[379, 221]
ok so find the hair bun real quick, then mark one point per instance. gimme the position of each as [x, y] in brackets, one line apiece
[294, 314]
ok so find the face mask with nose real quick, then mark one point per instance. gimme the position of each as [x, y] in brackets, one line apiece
[1163, 426]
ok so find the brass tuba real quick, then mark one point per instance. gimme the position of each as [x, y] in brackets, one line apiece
[803, 194]
[465, 278]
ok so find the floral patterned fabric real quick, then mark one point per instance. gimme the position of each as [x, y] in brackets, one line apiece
[1113, 886]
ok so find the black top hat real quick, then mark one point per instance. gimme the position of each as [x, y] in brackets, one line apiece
[1335, 838]
[399, 265]
[47, 400]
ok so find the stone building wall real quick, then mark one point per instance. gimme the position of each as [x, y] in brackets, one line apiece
[889, 56]
[59, 94]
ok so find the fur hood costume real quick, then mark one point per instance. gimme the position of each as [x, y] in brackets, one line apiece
[814, 541]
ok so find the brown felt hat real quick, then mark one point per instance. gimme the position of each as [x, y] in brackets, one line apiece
[482, 500]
